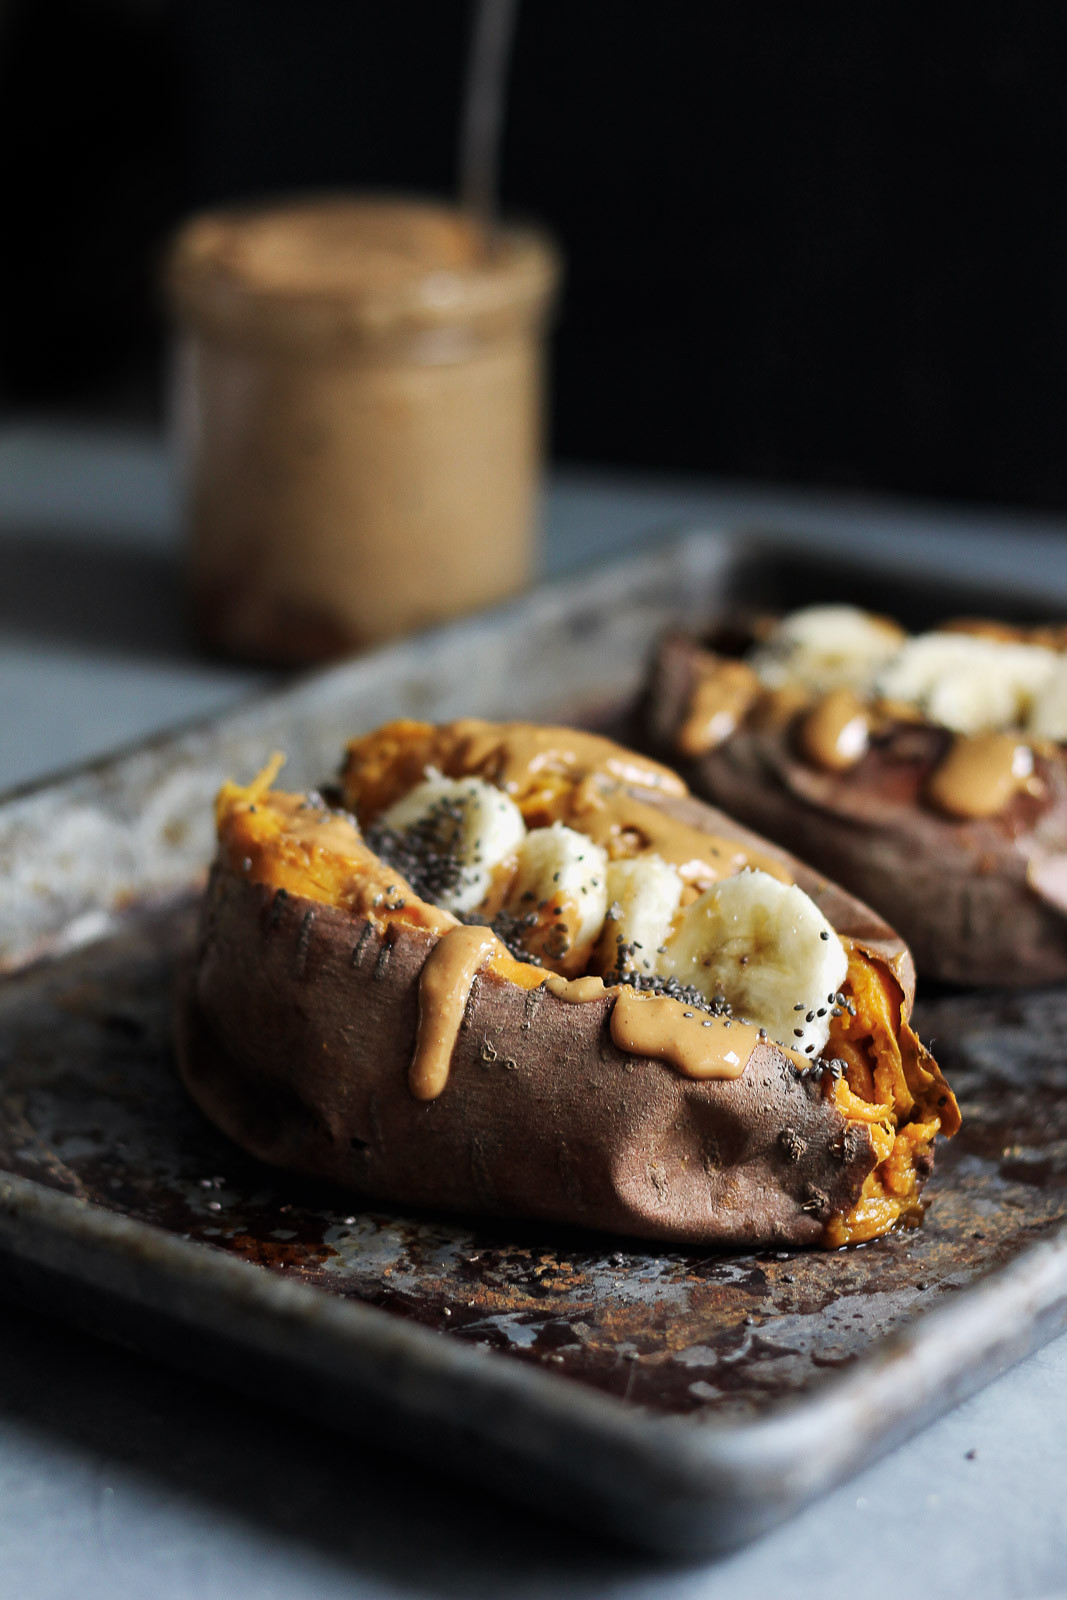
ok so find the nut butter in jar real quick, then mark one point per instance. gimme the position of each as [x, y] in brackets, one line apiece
[359, 409]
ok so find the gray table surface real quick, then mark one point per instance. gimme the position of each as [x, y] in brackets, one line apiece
[121, 1478]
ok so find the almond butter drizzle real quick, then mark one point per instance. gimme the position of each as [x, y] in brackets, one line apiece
[836, 731]
[577, 991]
[665, 1029]
[507, 753]
[720, 698]
[584, 781]
[697, 1045]
[445, 984]
[979, 775]
[628, 826]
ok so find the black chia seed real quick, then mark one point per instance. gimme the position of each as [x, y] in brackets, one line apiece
[625, 971]
[510, 930]
[427, 853]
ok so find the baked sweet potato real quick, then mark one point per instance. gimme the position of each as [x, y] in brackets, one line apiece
[948, 811]
[335, 1021]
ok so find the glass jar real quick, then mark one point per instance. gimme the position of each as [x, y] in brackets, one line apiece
[359, 409]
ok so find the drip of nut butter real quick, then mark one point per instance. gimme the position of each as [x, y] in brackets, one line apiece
[665, 1029]
[836, 731]
[721, 697]
[698, 1046]
[445, 984]
[979, 775]
[577, 991]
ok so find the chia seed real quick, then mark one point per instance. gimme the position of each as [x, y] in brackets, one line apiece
[427, 853]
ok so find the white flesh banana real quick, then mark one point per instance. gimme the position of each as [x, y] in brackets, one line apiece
[827, 647]
[561, 881]
[769, 950]
[488, 829]
[643, 896]
[968, 683]
[1048, 714]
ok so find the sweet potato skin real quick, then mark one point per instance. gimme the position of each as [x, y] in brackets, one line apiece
[979, 903]
[299, 1048]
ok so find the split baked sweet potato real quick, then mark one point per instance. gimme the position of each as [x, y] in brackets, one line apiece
[926, 774]
[520, 971]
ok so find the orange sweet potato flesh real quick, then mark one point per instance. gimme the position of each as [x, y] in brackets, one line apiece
[888, 1082]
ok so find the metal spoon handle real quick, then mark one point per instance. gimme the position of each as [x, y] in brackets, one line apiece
[483, 111]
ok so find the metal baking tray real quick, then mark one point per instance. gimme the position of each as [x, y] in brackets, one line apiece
[682, 1400]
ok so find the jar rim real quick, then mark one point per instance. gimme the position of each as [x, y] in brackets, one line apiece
[358, 267]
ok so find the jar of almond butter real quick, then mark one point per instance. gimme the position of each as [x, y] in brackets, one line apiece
[359, 410]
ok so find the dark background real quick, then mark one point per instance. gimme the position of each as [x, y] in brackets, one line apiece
[819, 243]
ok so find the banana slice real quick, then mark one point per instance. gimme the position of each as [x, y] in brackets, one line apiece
[826, 647]
[643, 895]
[769, 950]
[967, 682]
[1048, 714]
[472, 823]
[560, 893]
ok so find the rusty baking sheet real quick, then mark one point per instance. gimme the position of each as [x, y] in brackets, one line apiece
[683, 1399]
